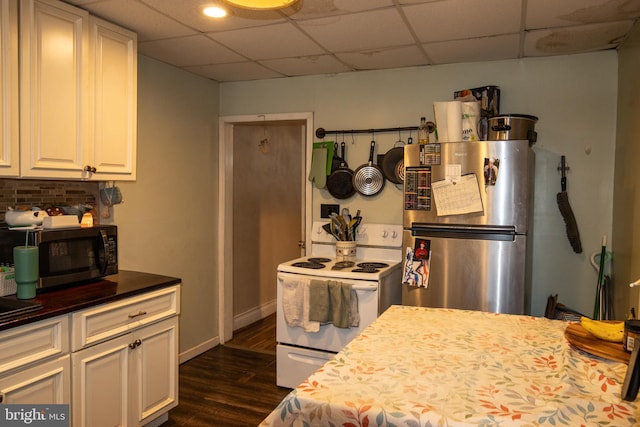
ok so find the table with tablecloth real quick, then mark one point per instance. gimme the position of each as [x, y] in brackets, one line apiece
[417, 366]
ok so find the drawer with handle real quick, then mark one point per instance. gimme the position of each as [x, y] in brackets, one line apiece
[33, 343]
[106, 321]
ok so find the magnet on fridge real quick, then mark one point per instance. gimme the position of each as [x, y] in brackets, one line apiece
[491, 168]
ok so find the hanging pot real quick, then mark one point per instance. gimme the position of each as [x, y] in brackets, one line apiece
[335, 160]
[339, 183]
[368, 179]
[393, 164]
[512, 127]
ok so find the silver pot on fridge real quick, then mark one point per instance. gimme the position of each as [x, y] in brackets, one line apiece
[508, 127]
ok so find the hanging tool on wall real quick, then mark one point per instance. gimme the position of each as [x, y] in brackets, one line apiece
[565, 209]
[603, 309]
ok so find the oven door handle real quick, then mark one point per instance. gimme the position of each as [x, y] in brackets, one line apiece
[360, 287]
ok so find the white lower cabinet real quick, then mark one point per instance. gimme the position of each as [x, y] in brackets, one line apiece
[45, 383]
[129, 380]
[124, 360]
[117, 367]
[34, 363]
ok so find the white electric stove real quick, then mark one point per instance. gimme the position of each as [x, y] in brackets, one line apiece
[375, 276]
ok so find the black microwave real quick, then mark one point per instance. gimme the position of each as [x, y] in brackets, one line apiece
[66, 255]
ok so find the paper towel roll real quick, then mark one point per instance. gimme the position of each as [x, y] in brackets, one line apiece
[448, 116]
[440, 113]
[470, 120]
[454, 120]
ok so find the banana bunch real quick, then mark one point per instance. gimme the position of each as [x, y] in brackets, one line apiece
[608, 331]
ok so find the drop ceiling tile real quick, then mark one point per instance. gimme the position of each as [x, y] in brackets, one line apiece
[147, 22]
[322, 8]
[191, 50]
[234, 72]
[307, 65]
[577, 39]
[320, 36]
[463, 19]
[190, 13]
[553, 13]
[407, 56]
[492, 48]
[358, 31]
[268, 42]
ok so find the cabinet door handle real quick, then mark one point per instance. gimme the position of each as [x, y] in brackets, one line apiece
[1, 397]
[140, 313]
[135, 344]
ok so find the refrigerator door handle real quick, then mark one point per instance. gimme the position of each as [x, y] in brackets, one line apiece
[500, 233]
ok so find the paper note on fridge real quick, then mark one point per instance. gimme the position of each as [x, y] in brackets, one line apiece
[457, 197]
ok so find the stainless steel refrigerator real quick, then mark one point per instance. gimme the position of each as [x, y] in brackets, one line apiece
[467, 225]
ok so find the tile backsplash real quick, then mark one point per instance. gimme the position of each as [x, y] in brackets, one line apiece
[22, 193]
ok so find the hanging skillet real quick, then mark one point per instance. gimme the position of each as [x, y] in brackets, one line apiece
[336, 160]
[339, 183]
[391, 163]
[368, 179]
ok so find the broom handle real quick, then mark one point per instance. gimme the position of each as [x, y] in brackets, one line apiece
[603, 254]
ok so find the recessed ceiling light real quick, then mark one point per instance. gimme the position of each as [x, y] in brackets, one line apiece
[261, 4]
[214, 12]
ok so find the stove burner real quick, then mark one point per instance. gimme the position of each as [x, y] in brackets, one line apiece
[342, 264]
[365, 270]
[307, 264]
[318, 260]
[372, 265]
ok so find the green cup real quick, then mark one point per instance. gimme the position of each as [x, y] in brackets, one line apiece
[25, 261]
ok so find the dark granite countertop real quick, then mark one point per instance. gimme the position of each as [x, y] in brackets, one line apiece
[72, 298]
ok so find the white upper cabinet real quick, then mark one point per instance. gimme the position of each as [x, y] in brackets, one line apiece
[78, 80]
[9, 124]
[114, 67]
[54, 83]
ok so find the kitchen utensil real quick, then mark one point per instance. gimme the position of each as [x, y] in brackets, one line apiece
[345, 214]
[340, 183]
[512, 127]
[567, 213]
[358, 219]
[368, 179]
[331, 229]
[391, 162]
[338, 227]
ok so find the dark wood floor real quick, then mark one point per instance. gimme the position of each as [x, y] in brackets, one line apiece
[232, 384]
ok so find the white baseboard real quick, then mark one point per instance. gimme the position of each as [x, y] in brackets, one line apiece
[239, 321]
[198, 350]
[253, 315]
[158, 421]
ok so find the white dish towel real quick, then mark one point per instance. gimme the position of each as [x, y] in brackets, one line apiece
[295, 304]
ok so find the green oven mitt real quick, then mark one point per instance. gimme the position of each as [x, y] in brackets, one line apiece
[318, 173]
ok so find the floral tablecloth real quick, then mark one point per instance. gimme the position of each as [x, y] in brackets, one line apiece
[418, 366]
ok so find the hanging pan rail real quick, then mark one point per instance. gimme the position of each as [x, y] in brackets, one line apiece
[321, 132]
